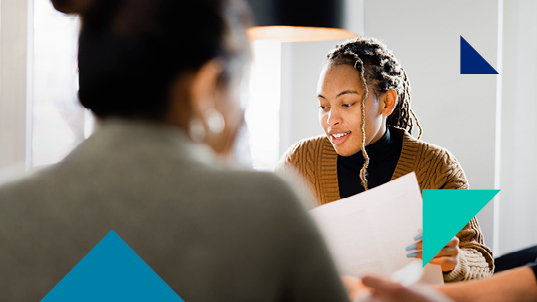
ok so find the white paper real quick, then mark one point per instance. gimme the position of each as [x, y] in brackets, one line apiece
[414, 273]
[432, 274]
[368, 232]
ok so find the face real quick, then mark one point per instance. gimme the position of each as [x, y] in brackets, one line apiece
[340, 93]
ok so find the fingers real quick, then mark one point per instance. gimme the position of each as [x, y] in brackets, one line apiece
[454, 242]
[447, 258]
[414, 250]
[416, 246]
[451, 248]
[443, 260]
[446, 263]
[448, 252]
[415, 254]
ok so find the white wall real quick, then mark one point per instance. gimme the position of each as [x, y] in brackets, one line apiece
[518, 207]
[300, 67]
[456, 111]
[299, 106]
[13, 79]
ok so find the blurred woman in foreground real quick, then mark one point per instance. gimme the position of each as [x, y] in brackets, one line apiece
[162, 78]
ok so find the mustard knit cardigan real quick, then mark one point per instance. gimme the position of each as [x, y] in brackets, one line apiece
[436, 168]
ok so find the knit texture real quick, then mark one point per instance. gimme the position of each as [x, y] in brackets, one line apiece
[436, 168]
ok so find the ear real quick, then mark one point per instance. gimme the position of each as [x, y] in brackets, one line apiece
[389, 101]
[193, 93]
[204, 87]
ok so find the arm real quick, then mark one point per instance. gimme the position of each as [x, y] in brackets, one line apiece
[517, 285]
[513, 285]
[475, 260]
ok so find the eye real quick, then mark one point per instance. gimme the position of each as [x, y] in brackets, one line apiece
[323, 107]
[348, 105]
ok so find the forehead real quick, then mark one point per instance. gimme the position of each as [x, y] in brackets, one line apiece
[337, 78]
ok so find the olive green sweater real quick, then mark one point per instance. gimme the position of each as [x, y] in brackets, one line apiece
[436, 168]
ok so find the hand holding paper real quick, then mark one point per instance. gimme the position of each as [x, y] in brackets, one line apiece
[447, 258]
[368, 232]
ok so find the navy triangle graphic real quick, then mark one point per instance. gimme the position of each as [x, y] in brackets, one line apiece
[112, 271]
[472, 62]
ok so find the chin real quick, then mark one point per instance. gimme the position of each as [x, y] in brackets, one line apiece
[344, 151]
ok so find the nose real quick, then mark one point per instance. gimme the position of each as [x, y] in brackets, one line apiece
[334, 118]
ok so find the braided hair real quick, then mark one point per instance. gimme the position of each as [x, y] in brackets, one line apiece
[380, 71]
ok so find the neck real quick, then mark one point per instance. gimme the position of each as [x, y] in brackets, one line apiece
[379, 134]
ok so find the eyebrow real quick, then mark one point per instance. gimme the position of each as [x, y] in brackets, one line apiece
[341, 93]
[347, 92]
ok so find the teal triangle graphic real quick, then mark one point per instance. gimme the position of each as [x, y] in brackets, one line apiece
[446, 212]
[472, 62]
[112, 271]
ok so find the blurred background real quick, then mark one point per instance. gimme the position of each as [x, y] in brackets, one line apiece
[487, 121]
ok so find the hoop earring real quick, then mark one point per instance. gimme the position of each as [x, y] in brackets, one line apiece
[215, 121]
[196, 131]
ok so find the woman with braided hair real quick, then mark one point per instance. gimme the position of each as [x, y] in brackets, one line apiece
[364, 109]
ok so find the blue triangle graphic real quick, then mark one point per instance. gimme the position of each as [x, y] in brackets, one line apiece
[472, 62]
[112, 271]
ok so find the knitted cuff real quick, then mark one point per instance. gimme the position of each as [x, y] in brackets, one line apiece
[459, 272]
[471, 265]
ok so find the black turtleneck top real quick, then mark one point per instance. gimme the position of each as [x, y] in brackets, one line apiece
[383, 157]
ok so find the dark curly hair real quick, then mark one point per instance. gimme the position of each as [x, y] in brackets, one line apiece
[380, 71]
[131, 52]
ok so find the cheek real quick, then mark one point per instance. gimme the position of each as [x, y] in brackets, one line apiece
[234, 114]
[373, 120]
[229, 105]
[323, 116]
[372, 110]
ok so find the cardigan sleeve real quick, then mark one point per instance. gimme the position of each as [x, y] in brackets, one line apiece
[289, 161]
[292, 167]
[301, 162]
[475, 260]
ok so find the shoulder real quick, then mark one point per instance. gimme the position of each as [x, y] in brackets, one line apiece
[426, 153]
[306, 150]
[241, 188]
[301, 157]
[435, 166]
[22, 197]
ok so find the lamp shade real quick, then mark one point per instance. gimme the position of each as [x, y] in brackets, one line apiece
[298, 20]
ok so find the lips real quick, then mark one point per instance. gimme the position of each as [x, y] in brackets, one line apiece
[339, 138]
